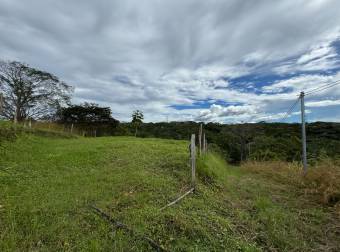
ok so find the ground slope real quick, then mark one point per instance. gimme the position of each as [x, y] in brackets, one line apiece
[47, 185]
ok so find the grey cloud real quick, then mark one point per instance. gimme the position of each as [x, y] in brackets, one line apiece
[152, 54]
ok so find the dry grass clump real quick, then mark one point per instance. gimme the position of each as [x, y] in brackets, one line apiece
[321, 180]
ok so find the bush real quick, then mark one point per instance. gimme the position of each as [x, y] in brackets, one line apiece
[8, 132]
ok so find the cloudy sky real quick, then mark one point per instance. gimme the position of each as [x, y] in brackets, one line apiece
[224, 61]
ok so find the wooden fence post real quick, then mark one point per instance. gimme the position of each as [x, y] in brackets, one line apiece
[204, 145]
[193, 160]
[71, 128]
[15, 116]
[200, 139]
[1, 102]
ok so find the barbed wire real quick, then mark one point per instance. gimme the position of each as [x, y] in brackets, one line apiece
[285, 115]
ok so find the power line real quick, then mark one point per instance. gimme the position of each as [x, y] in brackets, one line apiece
[290, 110]
[321, 88]
[309, 92]
[318, 89]
[286, 114]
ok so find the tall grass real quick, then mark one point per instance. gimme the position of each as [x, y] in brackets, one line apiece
[321, 180]
[212, 168]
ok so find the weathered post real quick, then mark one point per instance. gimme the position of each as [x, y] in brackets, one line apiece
[1, 102]
[200, 139]
[30, 123]
[15, 116]
[204, 146]
[303, 125]
[71, 128]
[193, 161]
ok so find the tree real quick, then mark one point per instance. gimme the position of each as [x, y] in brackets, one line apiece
[137, 119]
[88, 116]
[29, 92]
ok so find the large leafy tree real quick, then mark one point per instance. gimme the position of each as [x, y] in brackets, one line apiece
[86, 114]
[29, 92]
[89, 117]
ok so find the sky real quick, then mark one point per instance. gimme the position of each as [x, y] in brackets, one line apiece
[178, 60]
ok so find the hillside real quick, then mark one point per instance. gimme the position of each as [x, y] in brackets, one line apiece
[47, 185]
[254, 141]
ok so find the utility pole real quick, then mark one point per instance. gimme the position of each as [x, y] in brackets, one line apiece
[303, 125]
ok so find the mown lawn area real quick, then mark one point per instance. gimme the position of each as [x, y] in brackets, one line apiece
[48, 183]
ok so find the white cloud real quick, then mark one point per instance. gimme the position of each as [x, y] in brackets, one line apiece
[153, 54]
[319, 57]
[324, 103]
[300, 83]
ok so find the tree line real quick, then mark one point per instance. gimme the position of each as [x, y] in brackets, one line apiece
[28, 93]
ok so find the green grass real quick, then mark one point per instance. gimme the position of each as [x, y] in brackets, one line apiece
[47, 184]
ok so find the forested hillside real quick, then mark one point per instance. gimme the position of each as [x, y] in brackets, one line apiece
[258, 141]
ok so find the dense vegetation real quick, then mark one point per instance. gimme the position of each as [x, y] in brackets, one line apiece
[47, 184]
[260, 141]
[88, 118]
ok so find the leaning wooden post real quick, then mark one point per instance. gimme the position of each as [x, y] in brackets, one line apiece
[15, 116]
[1, 102]
[200, 139]
[193, 161]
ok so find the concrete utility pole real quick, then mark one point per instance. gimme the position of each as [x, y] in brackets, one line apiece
[303, 125]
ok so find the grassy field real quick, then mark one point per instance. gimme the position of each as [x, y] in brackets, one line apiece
[48, 183]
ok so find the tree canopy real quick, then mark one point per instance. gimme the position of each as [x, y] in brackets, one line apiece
[86, 114]
[137, 119]
[29, 92]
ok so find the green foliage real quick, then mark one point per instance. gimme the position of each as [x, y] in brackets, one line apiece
[261, 141]
[8, 132]
[137, 116]
[89, 117]
[211, 167]
[137, 119]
